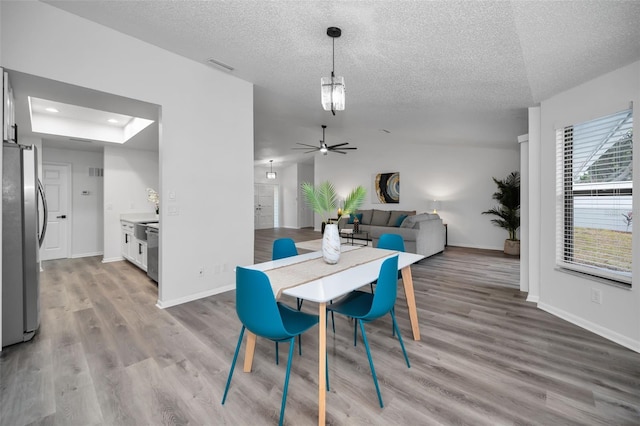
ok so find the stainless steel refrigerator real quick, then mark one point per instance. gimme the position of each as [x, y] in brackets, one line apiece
[22, 201]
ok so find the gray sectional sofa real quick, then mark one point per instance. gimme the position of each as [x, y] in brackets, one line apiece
[423, 233]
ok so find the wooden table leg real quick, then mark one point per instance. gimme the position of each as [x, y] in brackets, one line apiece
[322, 363]
[407, 280]
[249, 351]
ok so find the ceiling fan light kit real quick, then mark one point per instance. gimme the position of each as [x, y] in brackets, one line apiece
[332, 88]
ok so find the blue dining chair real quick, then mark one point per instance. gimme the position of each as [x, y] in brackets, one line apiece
[365, 307]
[259, 312]
[389, 242]
[283, 247]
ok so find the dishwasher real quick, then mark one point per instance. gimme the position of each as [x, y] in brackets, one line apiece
[152, 252]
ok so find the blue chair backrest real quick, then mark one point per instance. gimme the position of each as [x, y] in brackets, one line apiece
[283, 247]
[386, 291]
[391, 242]
[256, 305]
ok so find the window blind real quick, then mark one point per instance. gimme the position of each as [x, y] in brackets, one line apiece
[594, 189]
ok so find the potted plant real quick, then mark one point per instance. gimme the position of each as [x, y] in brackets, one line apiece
[322, 199]
[508, 210]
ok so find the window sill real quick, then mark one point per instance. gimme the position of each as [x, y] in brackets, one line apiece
[607, 281]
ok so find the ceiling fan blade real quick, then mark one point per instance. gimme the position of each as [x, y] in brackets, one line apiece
[304, 144]
[345, 148]
[337, 145]
[339, 152]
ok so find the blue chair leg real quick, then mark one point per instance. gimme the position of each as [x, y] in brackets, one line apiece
[395, 326]
[373, 369]
[326, 369]
[393, 329]
[355, 332]
[300, 344]
[277, 357]
[233, 365]
[292, 343]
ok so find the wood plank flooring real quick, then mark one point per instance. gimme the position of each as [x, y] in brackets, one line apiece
[105, 355]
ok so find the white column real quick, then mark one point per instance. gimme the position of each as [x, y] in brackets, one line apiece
[534, 204]
[523, 140]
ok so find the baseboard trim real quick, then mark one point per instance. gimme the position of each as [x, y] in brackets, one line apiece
[473, 246]
[112, 259]
[534, 299]
[179, 301]
[618, 338]
[77, 256]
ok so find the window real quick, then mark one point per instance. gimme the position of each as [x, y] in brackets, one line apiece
[594, 189]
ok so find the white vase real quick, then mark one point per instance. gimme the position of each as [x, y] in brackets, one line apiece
[331, 244]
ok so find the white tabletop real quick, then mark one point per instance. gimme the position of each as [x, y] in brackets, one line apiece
[333, 286]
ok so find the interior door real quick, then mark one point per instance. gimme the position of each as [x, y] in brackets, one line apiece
[264, 196]
[55, 179]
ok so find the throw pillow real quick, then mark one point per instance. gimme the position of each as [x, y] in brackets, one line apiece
[352, 216]
[401, 219]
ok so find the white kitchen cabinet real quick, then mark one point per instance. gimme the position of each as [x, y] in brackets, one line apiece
[133, 249]
[140, 254]
[128, 246]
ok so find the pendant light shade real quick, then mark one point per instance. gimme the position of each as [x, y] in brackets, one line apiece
[332, 93]
[271, 174]
[332, 88]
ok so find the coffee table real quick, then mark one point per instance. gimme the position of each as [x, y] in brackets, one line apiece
[348, 234]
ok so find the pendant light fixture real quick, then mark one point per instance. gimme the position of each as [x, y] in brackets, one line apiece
[332, 88]
[271, 174]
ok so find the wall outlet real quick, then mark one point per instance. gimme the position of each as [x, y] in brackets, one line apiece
[201, 271]
[596, 296]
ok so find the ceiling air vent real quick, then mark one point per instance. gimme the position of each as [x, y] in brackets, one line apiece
[220, 65]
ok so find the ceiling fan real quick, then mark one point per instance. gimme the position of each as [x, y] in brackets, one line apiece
[324, 148]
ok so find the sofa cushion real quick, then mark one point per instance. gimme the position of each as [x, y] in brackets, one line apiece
[411, 221]
[366, 216]
[380, 217]
[352, 216]
[395, 214]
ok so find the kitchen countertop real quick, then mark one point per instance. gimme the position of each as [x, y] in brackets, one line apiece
[139, 217]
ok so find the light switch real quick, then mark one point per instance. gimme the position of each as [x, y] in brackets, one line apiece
[172, 195]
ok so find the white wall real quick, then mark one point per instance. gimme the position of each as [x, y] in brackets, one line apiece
[569, 296]
[202, 109]
[86, 216]
[289, 191]
[459, 176]
[127, 175]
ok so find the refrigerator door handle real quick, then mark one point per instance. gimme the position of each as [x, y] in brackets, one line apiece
[46, 213]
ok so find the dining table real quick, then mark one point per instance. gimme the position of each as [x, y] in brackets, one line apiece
[308, 277]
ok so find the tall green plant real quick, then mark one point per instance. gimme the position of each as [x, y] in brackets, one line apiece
[323, 199]
[508, 210]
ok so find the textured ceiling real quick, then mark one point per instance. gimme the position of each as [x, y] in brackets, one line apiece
[442, 72]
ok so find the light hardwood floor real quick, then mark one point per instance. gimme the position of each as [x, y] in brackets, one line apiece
[106, 355]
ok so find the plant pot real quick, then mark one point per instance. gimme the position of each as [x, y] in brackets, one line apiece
[512, 247]
[331, 244]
